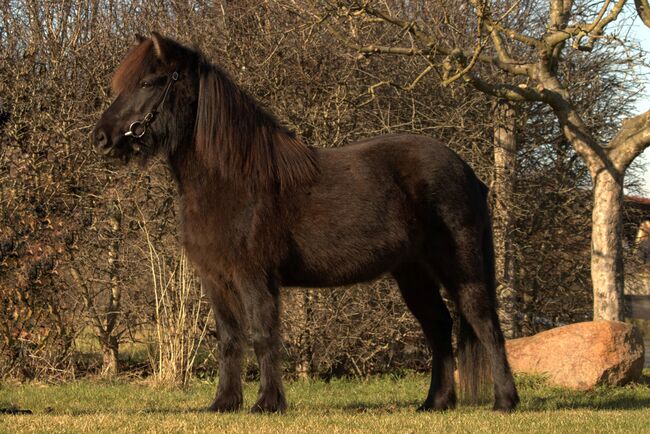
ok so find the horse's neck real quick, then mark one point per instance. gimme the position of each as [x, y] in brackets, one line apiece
[206, 195]
[194, 178]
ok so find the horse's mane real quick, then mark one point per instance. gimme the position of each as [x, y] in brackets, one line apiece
[243, 141]
[233, 134]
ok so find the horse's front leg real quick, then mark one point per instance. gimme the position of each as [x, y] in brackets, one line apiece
[230, 318]
[263, 301]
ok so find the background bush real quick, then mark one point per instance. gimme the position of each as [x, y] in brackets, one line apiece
[76, 281]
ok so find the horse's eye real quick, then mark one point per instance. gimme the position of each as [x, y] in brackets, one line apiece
[145, 83]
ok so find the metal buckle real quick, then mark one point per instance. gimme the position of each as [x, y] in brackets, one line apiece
[136, 129]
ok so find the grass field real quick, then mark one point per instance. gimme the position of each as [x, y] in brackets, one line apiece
[374, 405]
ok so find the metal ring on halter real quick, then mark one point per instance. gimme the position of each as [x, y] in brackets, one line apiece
[136, 129]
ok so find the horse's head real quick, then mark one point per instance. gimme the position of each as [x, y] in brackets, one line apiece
[171, 99]
[156, 88]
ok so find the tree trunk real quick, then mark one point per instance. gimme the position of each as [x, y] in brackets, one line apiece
[505, 169]
[110, 341]
[606, 245]
[607, 168]
[304, 368]
[110, 352]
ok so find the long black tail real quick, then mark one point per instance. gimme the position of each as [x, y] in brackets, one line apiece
[475, 375]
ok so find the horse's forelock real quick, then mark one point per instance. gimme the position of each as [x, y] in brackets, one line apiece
[137, 63]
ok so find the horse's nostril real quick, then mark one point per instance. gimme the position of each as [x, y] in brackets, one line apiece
[101, 139]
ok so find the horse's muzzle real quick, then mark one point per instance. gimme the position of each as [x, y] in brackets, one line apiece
[102, 141]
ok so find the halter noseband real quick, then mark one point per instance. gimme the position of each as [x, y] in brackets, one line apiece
[137, 129]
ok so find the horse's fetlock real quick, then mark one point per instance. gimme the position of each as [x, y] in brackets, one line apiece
[226, 403]
[270, 401]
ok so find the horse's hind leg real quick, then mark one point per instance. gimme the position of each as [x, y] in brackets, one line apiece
[262, 300]
[466, 272]
[421, 293]
[230, 318]
[482, 318]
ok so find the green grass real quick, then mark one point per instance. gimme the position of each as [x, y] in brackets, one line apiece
[382, 404]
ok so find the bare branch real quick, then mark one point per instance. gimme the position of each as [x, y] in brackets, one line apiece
[373, 49]
[559, 13]
[598, 26]
[411, 26]
[643, 9]
[504, 90]
[594, 30]
[422, 74]
[477, 51]
[631, 140]
[459, 57]
[494, 26]
[504, 60]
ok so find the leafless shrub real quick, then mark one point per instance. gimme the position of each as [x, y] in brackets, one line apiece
[57, 198]
[180, 315]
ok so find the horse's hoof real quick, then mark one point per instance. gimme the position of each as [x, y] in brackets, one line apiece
[503, 408]
[506, 405]
[438, 407]
[441, 404]
[226, 405]
[270, 405]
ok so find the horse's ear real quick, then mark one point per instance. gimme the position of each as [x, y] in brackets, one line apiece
[139, 39]
[166, 50]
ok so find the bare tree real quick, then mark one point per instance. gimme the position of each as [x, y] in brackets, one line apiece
[531, 64]
[505, 172]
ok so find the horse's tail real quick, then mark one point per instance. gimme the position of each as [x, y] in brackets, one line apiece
[474, 373]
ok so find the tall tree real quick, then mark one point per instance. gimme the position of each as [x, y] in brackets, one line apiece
[531, 64]
[505, 171]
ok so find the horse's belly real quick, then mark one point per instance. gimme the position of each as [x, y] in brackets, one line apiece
[313, 278]
[347, 236]
[344, 261]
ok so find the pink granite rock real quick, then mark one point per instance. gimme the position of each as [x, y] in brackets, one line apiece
[582, 355]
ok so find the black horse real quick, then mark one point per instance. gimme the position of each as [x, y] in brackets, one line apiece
[260, 210]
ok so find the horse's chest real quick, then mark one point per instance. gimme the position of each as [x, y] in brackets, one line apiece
[208, 244]
[218, 239]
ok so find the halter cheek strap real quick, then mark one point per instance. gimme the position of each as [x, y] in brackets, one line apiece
[137, 129]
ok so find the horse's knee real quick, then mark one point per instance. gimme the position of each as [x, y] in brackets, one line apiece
[231, 347]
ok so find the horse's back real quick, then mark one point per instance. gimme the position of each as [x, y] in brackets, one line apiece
[409, 154]
[444, 191]
[376, 203]
[428, 171]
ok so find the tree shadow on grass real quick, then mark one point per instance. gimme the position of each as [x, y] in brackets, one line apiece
[537, 395]
[586, 402]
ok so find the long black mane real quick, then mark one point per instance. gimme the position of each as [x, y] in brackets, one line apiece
[243, 141]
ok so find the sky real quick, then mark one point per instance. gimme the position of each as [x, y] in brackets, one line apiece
[642, 34]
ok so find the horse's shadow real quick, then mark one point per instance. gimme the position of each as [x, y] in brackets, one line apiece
[353, 407]
[376, 407]
[534, 404]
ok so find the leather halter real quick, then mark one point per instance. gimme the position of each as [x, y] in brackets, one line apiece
[137, 129]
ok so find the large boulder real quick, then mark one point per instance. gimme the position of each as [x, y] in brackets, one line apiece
[582, 355]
